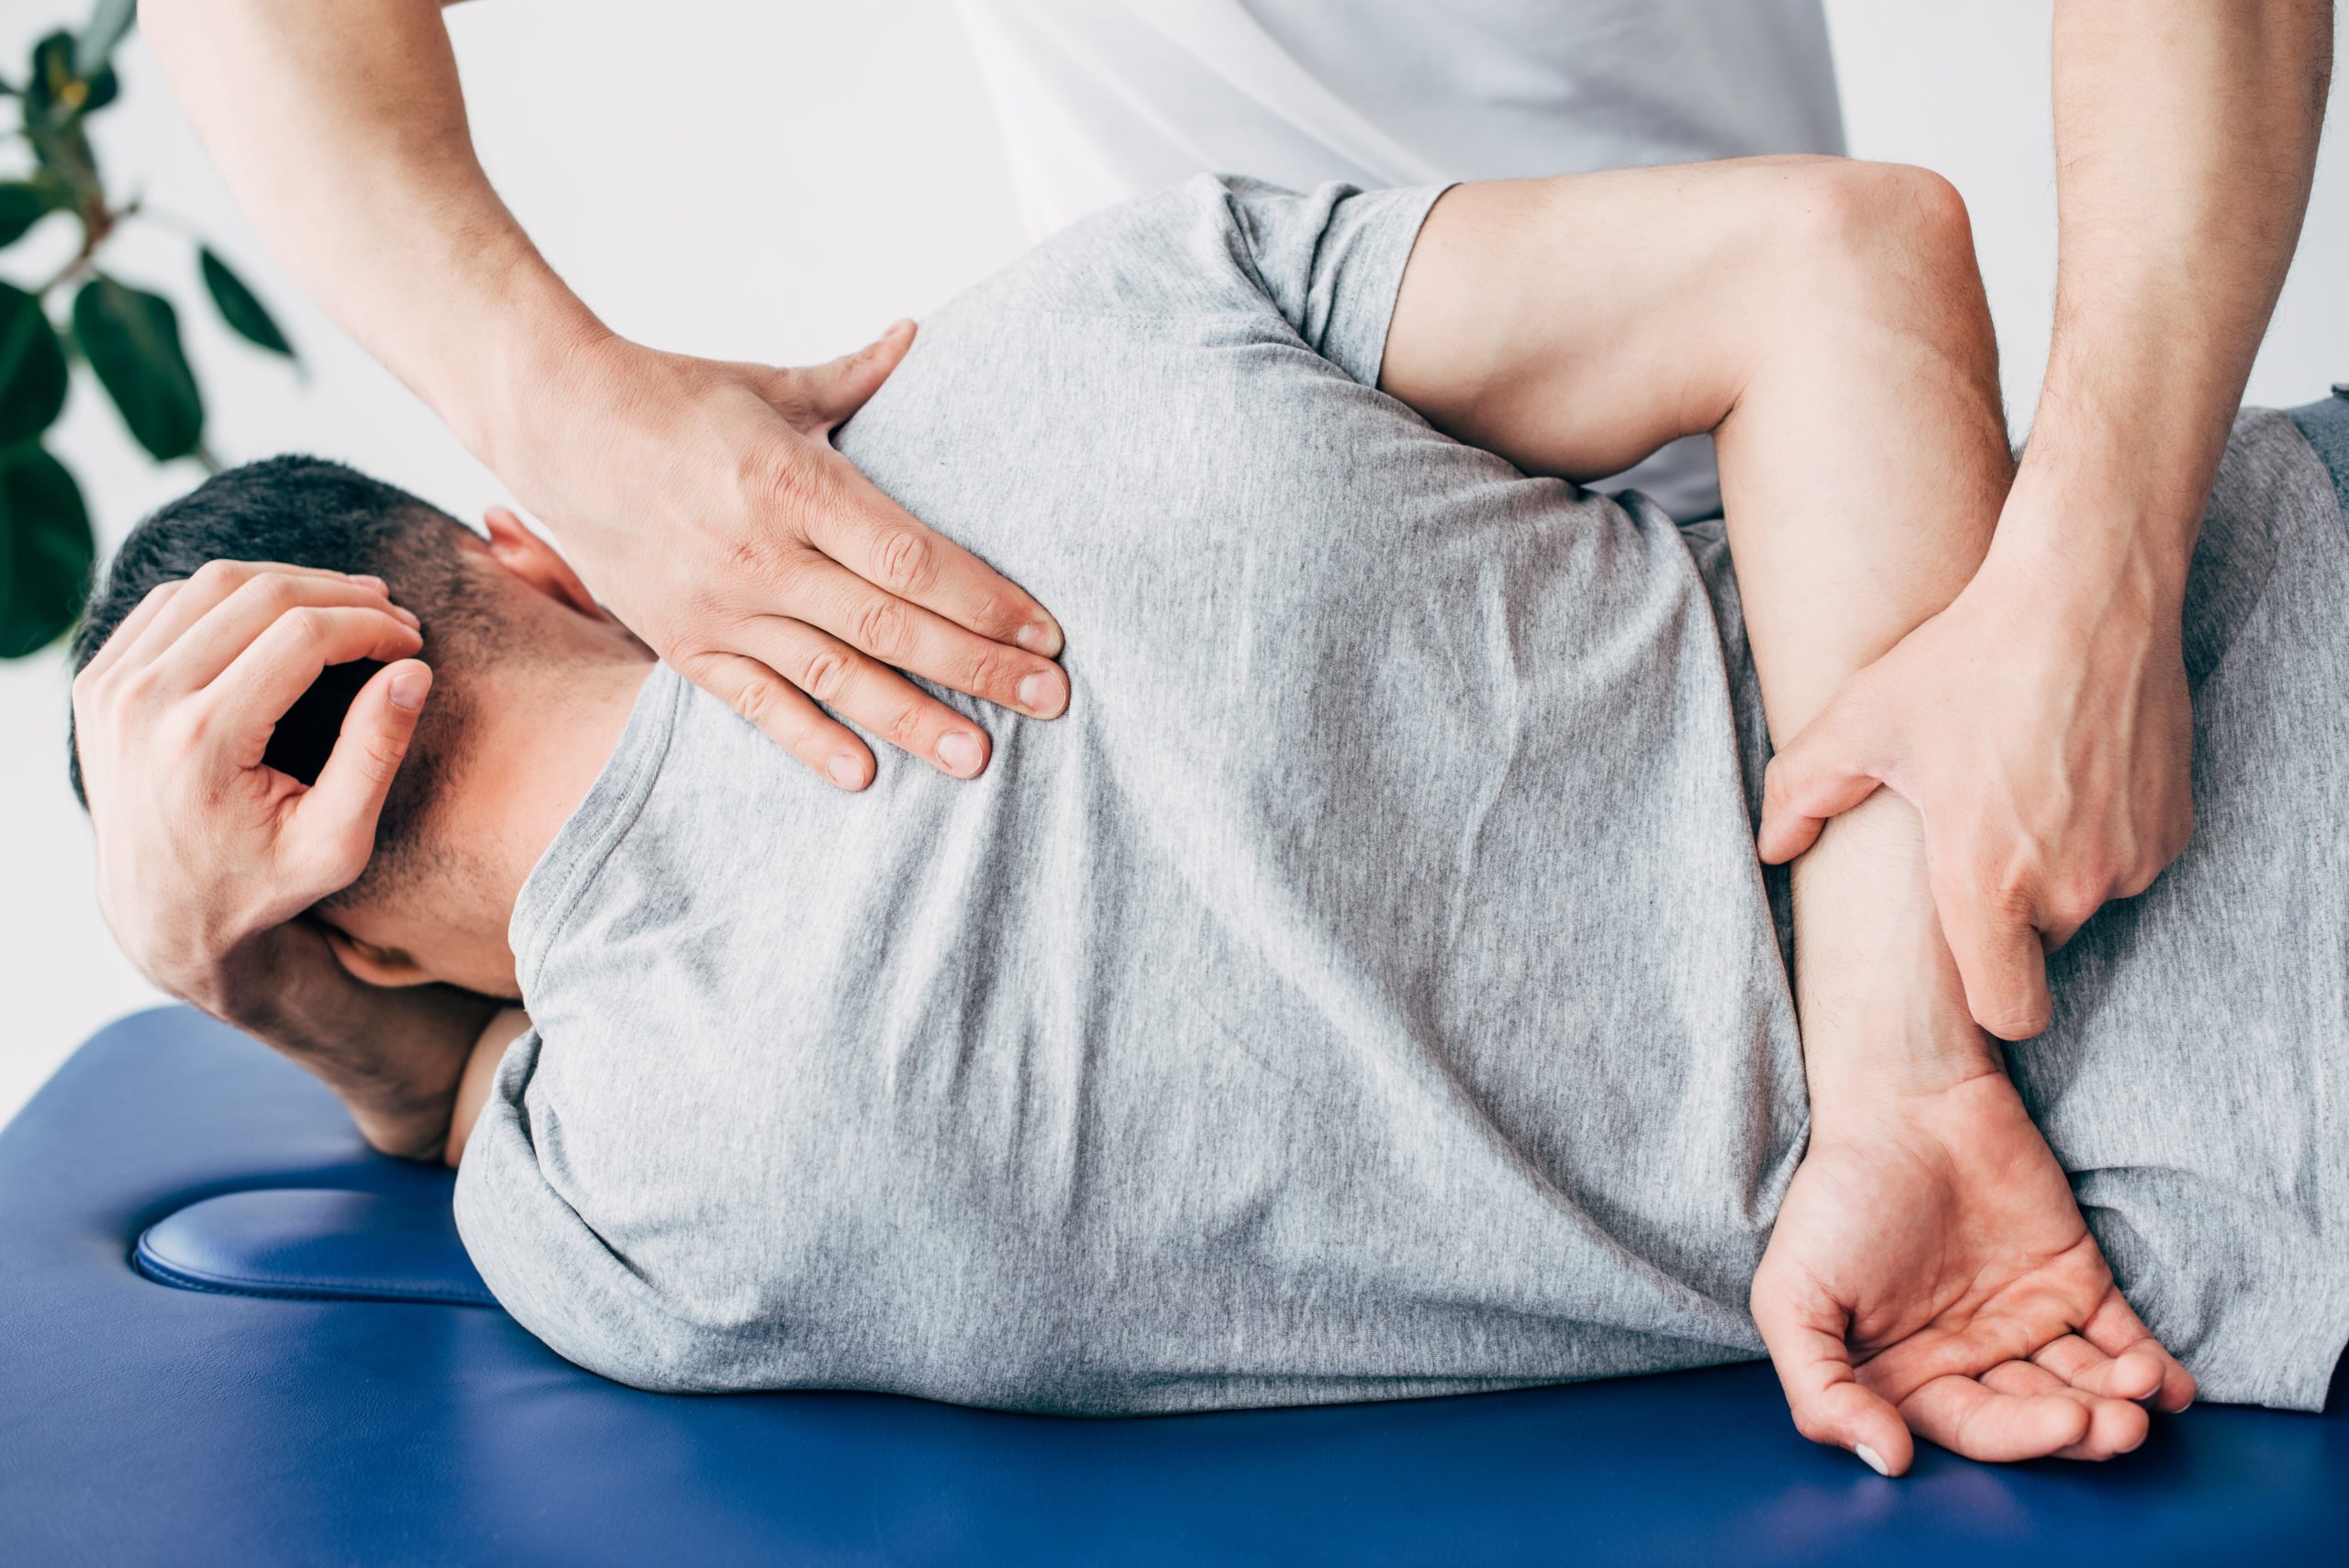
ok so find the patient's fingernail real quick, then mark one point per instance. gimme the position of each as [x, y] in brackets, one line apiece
[1872, 1459]
[959, 749]
[846, 771]
[408, 688]
[1041, 693]
[1037, 636]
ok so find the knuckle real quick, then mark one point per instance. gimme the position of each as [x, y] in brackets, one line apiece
[879, 626]
[903, 725]
[136, 688]
[269, 591]
[993, 673]
[755, 701]
[906, 559]
[825, 674]
[785, 481]
[381, 755]
[222, 576]
[997, 615]
[2081, 897]
[752, 555]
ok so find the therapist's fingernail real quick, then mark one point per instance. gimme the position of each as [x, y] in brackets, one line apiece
[368, 579]
[1038, 637]
[959, 749]
[846, 771]
[1872, 1459]
[1042, 695]
[408, 688]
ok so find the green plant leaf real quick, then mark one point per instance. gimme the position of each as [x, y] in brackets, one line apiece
[46, 550]
[131, 338]
[53, 72]
[55, 101]
[239, 306]
[64, 154]
[109, 20]
[32, 368]
[24, 203]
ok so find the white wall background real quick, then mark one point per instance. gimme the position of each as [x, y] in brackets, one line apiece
[743, 179]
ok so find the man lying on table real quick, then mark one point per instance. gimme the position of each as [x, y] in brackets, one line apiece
[1369, 987]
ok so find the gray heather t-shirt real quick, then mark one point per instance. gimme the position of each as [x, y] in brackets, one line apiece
[1368, 988]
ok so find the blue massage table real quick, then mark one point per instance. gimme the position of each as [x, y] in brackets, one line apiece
[230, 1333]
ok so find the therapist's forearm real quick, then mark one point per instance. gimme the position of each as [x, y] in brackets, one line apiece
[340, 127]
[2185, 135]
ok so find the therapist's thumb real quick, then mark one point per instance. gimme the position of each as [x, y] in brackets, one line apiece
[833, 391]
[2000, 957]
[1835, 764]
[335, 820]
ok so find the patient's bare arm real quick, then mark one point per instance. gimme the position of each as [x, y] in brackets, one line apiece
[480, 1071]
[208, 858]
[1824, 320]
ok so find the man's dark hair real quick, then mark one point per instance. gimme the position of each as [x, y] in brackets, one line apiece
[305, 511]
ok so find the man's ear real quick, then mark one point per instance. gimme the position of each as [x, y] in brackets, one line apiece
[371, 965]
[534, 560]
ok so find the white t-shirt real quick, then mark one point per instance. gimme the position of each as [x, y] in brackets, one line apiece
[1102, 100]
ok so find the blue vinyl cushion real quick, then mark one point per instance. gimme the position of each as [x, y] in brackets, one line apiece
[142, 1423]
[304, 1243]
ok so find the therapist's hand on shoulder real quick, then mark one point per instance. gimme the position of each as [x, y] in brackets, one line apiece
[205, 854]
[703, 504]
[2041, 727]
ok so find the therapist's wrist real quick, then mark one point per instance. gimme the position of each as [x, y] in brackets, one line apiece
[2124, 447]
[524, 370]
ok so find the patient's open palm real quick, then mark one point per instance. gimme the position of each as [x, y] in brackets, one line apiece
[1930, 1272]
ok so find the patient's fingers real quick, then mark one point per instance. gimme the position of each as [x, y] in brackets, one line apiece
[2115, 1425]
[1803, 1329]
[879, 699]
[2117, 1330]
[132, 627]
[332, 831]
[212, 583]
[271, 674]
[213, 643]
[2135, 1375]
[1966, 1418]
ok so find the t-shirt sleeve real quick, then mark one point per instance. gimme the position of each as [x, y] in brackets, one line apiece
[1328, 262]
[1331, 260]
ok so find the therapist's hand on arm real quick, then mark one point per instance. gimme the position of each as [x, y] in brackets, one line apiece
[209, 858]
[701, 500]
[2040, 722]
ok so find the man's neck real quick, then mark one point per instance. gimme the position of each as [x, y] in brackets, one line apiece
[534, 752]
